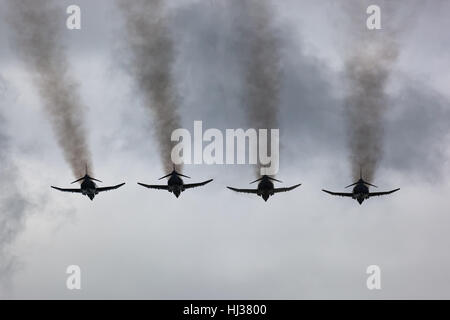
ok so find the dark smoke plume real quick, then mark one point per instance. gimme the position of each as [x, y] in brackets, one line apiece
[37, 27]
[367, 69]
[13, 205]
[152, 57]
[262, 65]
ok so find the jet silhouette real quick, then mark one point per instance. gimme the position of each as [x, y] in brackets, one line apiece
[265, 187]
[360, 191]
[88, 186]
[175, 184]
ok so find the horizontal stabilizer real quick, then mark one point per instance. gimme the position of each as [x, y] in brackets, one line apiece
[270, 178]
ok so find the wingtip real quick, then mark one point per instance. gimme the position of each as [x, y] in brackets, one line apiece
[143, 184]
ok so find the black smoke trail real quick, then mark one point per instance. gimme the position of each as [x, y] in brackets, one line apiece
[151, 60]
[37, 27]
[261, 62]
[367, 69]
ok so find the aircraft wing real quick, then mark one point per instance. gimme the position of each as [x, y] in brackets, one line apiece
[243, 190]
[342, 194]
[193, 185]
[110, 188]
[67, 190]
[157, 186]
[373, 194]
[286, 189]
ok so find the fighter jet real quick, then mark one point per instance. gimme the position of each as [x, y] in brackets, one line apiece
[360, 191]
[88, 186]
[265, 187]
[175, 184]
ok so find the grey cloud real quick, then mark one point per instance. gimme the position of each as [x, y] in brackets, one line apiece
[417, 133]
[304, 244]
[13, 204]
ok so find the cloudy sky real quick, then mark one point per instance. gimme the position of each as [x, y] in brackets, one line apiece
[212, 243]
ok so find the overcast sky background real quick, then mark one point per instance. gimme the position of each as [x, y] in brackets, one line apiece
[212, 243]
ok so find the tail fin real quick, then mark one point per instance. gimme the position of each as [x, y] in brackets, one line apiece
[181, 175]
[86, 176]
[361, 178]
[174, 171]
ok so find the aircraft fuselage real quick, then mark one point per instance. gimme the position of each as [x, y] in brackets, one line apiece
[175, 184]
[360, 192]
[265, 188]
[89, 188]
